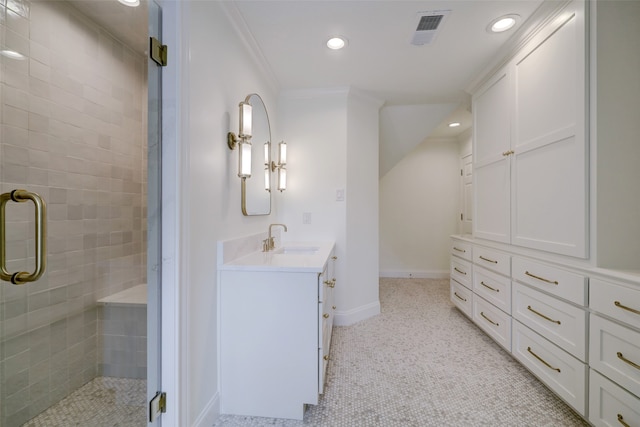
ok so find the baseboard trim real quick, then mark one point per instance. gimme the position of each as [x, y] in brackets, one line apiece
[210, 413]
[346, 318]
[431, 274]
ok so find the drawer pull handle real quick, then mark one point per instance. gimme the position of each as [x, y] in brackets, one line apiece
[459, 250]
[489, 320]
[488, 260]
[489, 287]
[463, 299]
[625, 360]
[621, 421]
[542, 315]
[330, 283]
[554, 282]
[624, 307]
[459, 271]
[542, 360]
[326, 315]
[508, 153]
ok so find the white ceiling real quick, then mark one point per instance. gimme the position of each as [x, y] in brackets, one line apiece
[288, 37]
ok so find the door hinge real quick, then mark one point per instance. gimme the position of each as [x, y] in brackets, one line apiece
[461, 217]
[461, 172]
[158, 51]
[157, 406]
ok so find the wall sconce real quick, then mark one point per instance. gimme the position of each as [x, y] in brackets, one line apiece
[281, 166]
[243, 140]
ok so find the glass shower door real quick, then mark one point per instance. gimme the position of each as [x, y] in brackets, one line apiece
[73, 130]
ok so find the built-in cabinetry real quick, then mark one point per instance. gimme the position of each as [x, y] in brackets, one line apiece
[576, 328]
[276, 320]
[530, 145]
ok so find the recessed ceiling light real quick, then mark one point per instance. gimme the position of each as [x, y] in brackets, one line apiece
[454, 124]
[337, 42]
[12, 54]
[131, 3]
[503, 23]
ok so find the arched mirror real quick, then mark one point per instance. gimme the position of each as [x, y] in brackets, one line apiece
[256, 194]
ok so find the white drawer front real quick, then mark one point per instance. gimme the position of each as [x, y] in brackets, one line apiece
[493, 287]
[562, 283]
[560, 322]
[461, 249]
[493, 321]
[560, 371]
[611, 405]
[621, 303]
[614, 351]
[461, 297]
[499, 262]
[461, 271]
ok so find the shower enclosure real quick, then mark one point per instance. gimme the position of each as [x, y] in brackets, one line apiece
[73, 131]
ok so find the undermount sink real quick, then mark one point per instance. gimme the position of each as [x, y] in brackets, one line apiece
[297, 250]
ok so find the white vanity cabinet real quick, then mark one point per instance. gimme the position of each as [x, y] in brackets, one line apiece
[460, 282]
[530, 148]
[275, 323]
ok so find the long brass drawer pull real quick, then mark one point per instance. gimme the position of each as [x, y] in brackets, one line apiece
[508, 153]
[488, 260]
[542, 315]
[463, 299]
[459, 271]
[459, 250]
[553, 282]
[625, 360]
[621, 421]
[542, 360]
[489, 287]
[624, 307]
[489, 320]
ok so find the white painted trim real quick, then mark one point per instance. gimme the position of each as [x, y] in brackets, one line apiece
[431, 274]
[346, 318]
[210, 413]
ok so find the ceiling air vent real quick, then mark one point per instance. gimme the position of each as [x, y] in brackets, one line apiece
[427, 26]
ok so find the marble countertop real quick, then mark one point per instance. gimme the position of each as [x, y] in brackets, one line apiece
[302, 257]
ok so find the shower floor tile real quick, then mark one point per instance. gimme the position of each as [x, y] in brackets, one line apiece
[102, 402]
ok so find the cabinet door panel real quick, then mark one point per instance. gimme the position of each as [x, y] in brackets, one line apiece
[549, 203]
[492, 209]
[492, 118]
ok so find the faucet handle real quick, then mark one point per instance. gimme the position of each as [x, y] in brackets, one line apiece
[265, 245]
[271, 243]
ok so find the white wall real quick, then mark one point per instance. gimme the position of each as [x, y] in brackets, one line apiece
[332, 145]
[218, 72]
[419, 202]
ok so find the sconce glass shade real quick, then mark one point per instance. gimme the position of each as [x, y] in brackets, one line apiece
[267, 178]
[266, 153]
[245, 120]
[282, 179]
[282, 153]
[244, 159]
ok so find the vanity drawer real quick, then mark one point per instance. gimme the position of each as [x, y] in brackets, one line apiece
[461, 297]
[614, 351]
[493, 287]
[560, 322]
[616, 301]
[461, 249]
[562, 283]
[610, 404]
[461, 271]
[493, 321]
[561, 372]
[499, 262]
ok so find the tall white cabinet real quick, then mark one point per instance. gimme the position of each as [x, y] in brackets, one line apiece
[530, 145]
[552, 270]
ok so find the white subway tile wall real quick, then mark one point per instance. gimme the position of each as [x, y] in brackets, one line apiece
[72, 129]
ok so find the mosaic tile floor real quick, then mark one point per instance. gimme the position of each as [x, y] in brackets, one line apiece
[423, 363]
[102, 402]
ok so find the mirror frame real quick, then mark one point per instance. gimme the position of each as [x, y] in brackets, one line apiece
[257, 151]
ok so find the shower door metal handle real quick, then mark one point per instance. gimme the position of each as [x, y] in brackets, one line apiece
[22, 277]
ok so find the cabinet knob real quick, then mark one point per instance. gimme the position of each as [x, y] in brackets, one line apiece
[334, 307]
[334, 257]
[326, 315]
[326, 357]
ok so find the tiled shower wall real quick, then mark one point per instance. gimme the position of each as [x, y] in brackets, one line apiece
[73, 129]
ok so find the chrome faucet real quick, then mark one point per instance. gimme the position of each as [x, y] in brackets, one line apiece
[270, 244]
